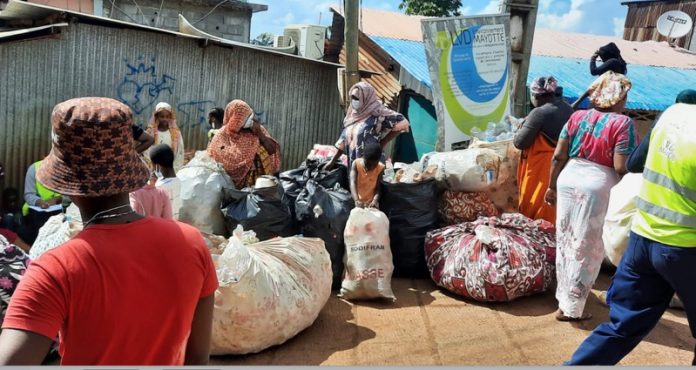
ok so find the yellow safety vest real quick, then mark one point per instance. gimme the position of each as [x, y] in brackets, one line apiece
[667, 201]
[41, 191]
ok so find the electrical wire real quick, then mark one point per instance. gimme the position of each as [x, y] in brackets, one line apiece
[159, 12]
[141, 11]
[113, 5]
[210, 12]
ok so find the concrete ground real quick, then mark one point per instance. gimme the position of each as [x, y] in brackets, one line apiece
[427, 326]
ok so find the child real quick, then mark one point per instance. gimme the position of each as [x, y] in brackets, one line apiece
[365, 174]
[162, 157]
[151, 201]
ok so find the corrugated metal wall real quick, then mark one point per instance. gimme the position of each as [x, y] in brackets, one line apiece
[299, 99]
[641, 20]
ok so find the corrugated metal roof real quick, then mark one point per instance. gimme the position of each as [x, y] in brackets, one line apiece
[654, 88]
[384, 23]
[394, 25]
[385, 84]
[29, 32]
[576, 45]
[409, 54]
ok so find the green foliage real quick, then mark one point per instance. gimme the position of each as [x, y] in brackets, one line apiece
[431, 8]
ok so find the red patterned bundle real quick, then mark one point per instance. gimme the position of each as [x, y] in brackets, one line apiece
[493, 259]
[457, 207]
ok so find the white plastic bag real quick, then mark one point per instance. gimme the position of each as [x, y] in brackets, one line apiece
[468, 170]
[56, 231]
[368, 259]
[618, 222]
[203, 182]
[268, 293]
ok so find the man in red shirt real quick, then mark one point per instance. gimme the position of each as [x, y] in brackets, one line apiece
[128, 289]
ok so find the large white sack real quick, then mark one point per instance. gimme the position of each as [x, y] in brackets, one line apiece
[618, 222]
[269, 292]
[203, 182]
[468, 170]
[56, 231]
[368, 260]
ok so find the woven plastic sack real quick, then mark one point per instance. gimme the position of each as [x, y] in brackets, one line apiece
[203, 185]
[269, 292]
[368, 266]
[458, 207]
[493, 259]
[505, 192]
[465, 170]
[619, 218]
[56, 231]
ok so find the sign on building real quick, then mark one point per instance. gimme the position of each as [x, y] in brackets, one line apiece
[469, 63]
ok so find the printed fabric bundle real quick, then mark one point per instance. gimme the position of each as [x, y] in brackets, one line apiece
[493, 259]
[457, 207]
[13, 264]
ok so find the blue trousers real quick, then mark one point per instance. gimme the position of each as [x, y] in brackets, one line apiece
[644, 283]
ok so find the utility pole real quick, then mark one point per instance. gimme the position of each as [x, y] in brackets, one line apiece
[351, 42]
[523, 16]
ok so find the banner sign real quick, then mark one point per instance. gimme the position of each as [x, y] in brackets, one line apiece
[469, 64]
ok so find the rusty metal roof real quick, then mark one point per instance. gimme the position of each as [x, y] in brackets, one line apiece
[393, 25]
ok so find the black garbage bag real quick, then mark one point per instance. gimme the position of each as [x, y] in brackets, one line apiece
[412, 213]
[333, 208]
[294, 181]
[266, 211]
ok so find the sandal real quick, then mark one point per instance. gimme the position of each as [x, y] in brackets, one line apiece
[560, 316]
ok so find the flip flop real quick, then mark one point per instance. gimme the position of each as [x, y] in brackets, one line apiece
[562, 317]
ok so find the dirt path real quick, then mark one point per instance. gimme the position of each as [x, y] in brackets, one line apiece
[429, 327]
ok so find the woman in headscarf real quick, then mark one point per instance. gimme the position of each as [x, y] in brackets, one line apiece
[367, 121]
[537, 140]
[589, 160]
[244, 148]
[611, 60]
[162, 127]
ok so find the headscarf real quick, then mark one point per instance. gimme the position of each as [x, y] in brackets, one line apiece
[609, 90]
[153, 123]
[235, 148]
[609, 51]
[687, 96]
[371, 106]
[544, 86]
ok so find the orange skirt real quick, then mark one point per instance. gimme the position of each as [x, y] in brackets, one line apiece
[533, 176]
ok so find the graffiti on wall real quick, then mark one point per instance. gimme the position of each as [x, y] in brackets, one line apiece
[194, 113]
[142, 86]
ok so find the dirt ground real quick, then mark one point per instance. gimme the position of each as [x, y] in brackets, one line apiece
[427, 326]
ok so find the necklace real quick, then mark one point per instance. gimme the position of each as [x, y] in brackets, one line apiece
[104, 214]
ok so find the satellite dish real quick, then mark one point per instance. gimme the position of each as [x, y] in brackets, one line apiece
[674, 24]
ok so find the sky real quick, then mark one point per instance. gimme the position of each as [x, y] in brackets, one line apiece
[601, 17]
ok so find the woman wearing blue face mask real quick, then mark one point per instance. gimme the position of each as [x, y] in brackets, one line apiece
[367, 121]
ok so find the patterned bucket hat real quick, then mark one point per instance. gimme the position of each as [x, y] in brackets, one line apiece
[93, 150]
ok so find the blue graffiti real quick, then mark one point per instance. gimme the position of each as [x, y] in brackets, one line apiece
[142, 86]
[194, 113]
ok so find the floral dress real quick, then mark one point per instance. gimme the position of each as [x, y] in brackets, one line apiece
[372, 130]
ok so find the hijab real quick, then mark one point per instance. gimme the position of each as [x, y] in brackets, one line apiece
[235, 148]
[544, 86]
[687, 96]
[152, 126]
[370, 105]
[611, 51]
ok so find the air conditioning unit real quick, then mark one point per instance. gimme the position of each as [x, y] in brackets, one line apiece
[281, 42]
[308, 38]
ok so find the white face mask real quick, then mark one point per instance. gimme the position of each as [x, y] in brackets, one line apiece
[356, 104]
[249, 122]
